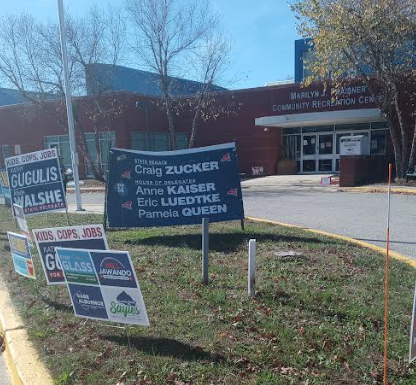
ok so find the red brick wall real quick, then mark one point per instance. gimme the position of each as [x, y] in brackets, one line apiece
[27, 125]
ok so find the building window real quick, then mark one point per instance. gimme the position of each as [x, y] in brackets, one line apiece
[291, 149]
[318, 129]
[378, 142]
[308, 60]
[158, 141]
[352, 127]
[61, 143]
[138, 141]
[181, 141]
[107, 141]
[6, 152]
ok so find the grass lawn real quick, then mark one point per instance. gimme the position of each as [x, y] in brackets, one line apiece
[317, 317]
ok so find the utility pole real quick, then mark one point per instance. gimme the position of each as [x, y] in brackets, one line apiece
[71, 130]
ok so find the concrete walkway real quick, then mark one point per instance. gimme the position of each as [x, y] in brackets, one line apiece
[4, 373]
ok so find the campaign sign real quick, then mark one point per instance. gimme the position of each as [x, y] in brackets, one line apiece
[21, 221]
[103, 285]
[114, 270]
[36, 182]
[174, 187]
[22, 257]
[76, 237]
[87, 301]
[412, 349]
[4, 185]
[77, 267]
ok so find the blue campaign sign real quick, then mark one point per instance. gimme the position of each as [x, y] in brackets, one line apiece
[21, 255]
[103, 285]
[174, 187]
[77, 266]
[87, 301]
[113, 269]
[4, 187]
[36, 182]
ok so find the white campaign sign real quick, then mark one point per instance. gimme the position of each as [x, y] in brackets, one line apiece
[103, 285]
[19, 214]
[85, 237]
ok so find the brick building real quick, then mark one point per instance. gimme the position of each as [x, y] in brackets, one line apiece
[284, 128]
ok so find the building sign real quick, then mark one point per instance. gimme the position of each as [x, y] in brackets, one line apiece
[22, 257]
[36, 182]
[412, 349]
[103, 285]
[4, 185]
[317, 98]
[82, 237]
[173, 188]
[19, 215]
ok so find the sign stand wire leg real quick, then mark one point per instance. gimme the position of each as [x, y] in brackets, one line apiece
[128, 337]
[67, 216]
[205, 250]
[387, 281]
[105, 201]
[252, 268]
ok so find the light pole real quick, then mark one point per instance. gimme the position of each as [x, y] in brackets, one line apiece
[71, 131]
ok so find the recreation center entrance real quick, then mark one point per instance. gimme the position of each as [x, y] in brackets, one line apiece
[314, 143]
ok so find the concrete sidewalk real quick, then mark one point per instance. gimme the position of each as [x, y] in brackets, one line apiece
[380, 189]
[288, 182]
[23, 361]
[4, 372]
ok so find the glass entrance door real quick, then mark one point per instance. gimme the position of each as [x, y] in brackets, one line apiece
[318, 152]
[309, 153]
[326, 152]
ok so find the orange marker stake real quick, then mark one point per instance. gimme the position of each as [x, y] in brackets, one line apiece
[387, 279]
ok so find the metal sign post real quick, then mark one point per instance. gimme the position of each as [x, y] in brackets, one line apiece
[205, 250]
[386, 309]
[412, 347]
[252, 268]
[71, 130]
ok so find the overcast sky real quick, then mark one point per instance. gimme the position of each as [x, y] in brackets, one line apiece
[262, 31]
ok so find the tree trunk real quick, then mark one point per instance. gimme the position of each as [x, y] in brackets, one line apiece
[97, 172]
[171, 125]
[98, 151]
[396, 147]
[412, 160]
[404, 136]
[195, 122]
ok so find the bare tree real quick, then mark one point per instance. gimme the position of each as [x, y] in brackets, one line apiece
[174, 36]
[30, 61]
[96, 38]
[211, 61]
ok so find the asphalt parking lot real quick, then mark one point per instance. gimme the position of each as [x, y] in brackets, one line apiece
[357, 215]
[302, 201]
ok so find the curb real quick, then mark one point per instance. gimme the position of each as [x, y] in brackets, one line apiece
[22, 359]
[392, 254]
[71, 190]
[378, 190]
